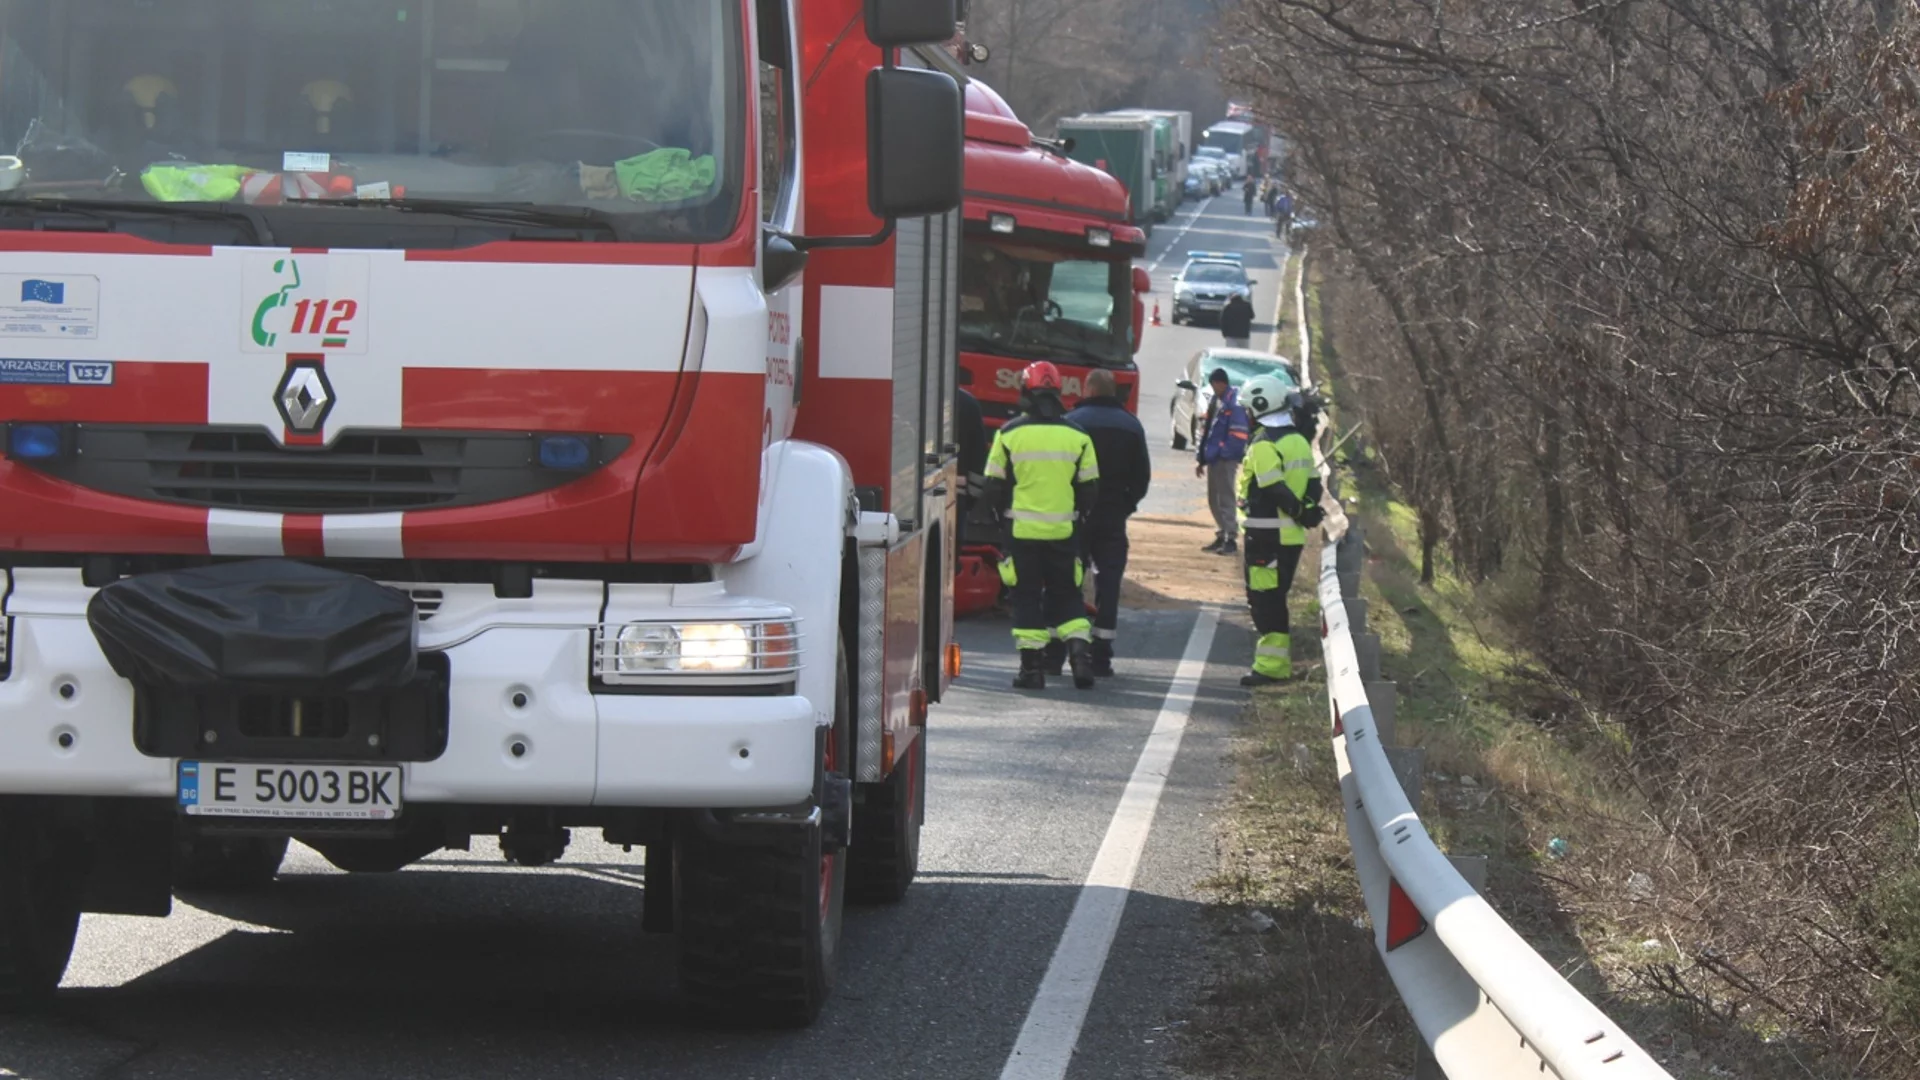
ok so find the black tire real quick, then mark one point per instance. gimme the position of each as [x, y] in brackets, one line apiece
[886, 831]
[40, 884]
[759, 910]
[216, 864]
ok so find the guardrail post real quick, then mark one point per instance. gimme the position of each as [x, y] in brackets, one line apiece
[1383, 696]
[1366, 649]
[1351, 554]
[1356, 614]
[1474, 869]
[1349, 585]
[1409, 767]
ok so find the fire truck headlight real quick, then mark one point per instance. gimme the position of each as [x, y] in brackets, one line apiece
[1001, 223]
[715, 647]
[644, 647]
[659, 654]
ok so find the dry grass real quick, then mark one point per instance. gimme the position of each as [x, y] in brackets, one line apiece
[1511, 763]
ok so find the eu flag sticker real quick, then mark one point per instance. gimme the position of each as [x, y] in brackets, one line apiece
[63, 308]
[40, 291]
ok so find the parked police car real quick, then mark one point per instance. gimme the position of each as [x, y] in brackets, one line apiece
[1202, 287]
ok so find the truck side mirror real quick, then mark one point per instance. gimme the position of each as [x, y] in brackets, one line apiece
[915, 140]
[899, 23]
[1141, 282]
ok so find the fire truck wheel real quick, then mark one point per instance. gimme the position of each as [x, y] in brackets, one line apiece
[40, 879]
[886, 831]
[227, 863]
[759, 907]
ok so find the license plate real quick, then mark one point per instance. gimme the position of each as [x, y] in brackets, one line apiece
[269, 790]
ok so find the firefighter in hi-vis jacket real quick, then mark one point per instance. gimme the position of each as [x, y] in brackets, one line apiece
[1043, 474]
[1280, 498]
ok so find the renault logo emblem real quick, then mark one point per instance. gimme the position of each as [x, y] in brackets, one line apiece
[304, 397]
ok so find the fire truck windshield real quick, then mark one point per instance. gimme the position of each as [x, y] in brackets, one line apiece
[628, 108]
[1032, 302]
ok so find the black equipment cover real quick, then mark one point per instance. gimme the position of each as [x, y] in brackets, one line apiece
[273, 624]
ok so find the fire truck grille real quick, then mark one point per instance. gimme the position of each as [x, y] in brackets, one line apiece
[245, 469]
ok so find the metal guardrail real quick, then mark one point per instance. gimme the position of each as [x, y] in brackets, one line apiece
[1487, 1005]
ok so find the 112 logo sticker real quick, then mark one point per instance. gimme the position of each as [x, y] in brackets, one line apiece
[305, 304]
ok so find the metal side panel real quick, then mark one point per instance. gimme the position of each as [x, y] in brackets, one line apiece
[871, 698]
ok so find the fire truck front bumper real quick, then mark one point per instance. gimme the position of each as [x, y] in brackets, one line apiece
[583, 694]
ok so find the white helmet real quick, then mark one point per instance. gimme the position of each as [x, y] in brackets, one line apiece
[1265, 398]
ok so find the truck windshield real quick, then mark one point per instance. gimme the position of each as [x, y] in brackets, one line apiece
[1226, 141]
[1032, 302]
[625, 107]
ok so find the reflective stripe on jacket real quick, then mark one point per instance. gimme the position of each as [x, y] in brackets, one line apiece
[1277, 456]
[1044, 461]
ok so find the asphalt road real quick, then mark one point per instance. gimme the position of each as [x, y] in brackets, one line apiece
[463, 966]
[1215, 225]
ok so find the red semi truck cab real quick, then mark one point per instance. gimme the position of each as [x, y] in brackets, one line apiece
[448, 418]
[1046, 270]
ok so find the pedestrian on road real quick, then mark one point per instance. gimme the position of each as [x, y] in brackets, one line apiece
[970, 432]
[1126, 470]
[1280, 495]
[1246, 190]
[1221, 448]
[1236, 321]
[1272, 196]
[1043, 474]
[1283, 215]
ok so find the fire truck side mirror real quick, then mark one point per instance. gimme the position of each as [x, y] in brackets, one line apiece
[899, 23]
[915, 139]
[781, 261]
[1141, 282]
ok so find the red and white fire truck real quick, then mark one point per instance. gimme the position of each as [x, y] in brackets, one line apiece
[1046, 266]
[429, 419]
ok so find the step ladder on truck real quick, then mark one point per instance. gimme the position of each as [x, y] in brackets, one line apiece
[552, 435]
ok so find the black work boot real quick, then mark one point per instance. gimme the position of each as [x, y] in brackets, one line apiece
[1100, 658]
[1082, 664]
[1033, 675]
[1056, 657]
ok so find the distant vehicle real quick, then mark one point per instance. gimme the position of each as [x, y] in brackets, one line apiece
[1234, 139]
[1195, 186]
[1123, 147]
[1193, 394]
[1213, 172]
[1202, 287]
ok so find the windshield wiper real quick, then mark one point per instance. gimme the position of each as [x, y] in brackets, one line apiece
[501, 213]
[119, 209]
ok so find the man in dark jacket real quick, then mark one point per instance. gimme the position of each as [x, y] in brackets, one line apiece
[1236, 321]
[1223, 443]
[1126, 468]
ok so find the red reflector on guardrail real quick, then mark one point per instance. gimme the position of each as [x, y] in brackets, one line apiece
[1404, 921]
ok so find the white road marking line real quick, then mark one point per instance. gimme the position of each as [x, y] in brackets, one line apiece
[1155, 264]
[1052, 1028]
